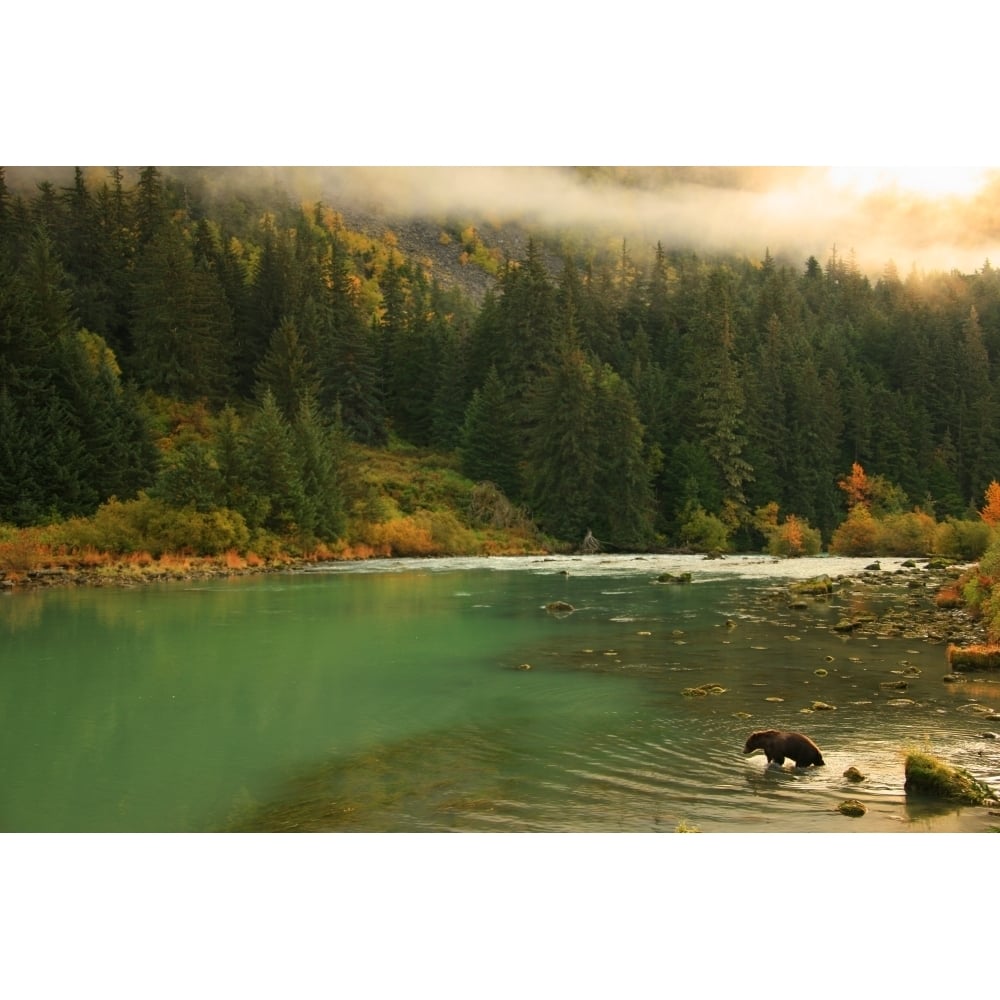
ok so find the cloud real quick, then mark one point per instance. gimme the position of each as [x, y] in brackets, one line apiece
[935, 219]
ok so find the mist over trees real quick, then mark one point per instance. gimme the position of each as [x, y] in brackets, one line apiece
[640, 393]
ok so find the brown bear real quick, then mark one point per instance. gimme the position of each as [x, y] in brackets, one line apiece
[778, 745]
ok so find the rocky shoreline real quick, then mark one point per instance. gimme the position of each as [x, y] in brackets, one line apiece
[912, 587]
[133, 575]
[913, 610]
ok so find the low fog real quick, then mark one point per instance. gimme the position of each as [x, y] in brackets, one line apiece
[930, 218]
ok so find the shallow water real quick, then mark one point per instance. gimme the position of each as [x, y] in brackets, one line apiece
[394, 696]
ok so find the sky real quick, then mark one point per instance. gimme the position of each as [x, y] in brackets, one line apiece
[790, 100]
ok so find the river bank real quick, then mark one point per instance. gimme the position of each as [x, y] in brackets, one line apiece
[919, 610]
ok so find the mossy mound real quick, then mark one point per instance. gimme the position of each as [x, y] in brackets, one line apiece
[560, 608]
[816, 585]
[853, 774]
[702, 690]
[852, 807]
[927, 775]
[673, 578]
[983, 657]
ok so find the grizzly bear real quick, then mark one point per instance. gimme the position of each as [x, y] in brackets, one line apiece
[778, 745]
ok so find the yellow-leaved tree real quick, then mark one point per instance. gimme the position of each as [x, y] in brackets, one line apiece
[857, 487]
[991, 512]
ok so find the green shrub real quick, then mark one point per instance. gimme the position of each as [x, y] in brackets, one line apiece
[856, 536]
[703, 532]
[960, 539]
[149, 524]
[910, 534]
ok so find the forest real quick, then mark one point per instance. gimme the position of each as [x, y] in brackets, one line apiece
[218, 370]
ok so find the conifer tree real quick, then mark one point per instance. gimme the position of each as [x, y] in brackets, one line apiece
[286, 370]
[182, 325]
[274, 479]
[563, 454]
[623, 495]
[320, 456]
[349, 360]
[490, 442]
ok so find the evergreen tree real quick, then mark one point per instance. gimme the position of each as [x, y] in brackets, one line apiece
[274, 480]
[321, 456]
[349, 360]
[623, 504]
[563, 456]
[286, 371]
[721, 406]
[182, 326]
[490, 441]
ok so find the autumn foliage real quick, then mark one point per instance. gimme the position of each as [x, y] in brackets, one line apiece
[858, 535]
[857, 487]
[991, 512]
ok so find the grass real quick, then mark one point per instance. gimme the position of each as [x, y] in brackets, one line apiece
[977, 657]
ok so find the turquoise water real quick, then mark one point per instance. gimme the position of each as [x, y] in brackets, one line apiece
[394, 697]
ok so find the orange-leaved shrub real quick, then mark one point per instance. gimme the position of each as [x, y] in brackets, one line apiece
[23, 550]
[424, 533]
[794, 537]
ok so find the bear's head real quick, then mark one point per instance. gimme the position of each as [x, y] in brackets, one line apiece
[758, 740]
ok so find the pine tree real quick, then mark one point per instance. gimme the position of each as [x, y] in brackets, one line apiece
[274, 479]
[721, 406]
[563, 450]
[182, 325]
[623, 496]
[320, 457]
[349, 360]
[286, 370]
[490, 440]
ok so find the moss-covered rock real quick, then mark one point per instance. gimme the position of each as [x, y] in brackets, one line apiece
[928, 775]
[852, 807]
[702, 690]
[816, 585]
[559, 608]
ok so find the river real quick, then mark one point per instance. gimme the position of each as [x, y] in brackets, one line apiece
[441, 695]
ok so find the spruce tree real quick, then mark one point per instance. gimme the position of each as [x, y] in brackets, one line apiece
[277, 498]
[563, 455]
[490, 441]
[287, 371]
